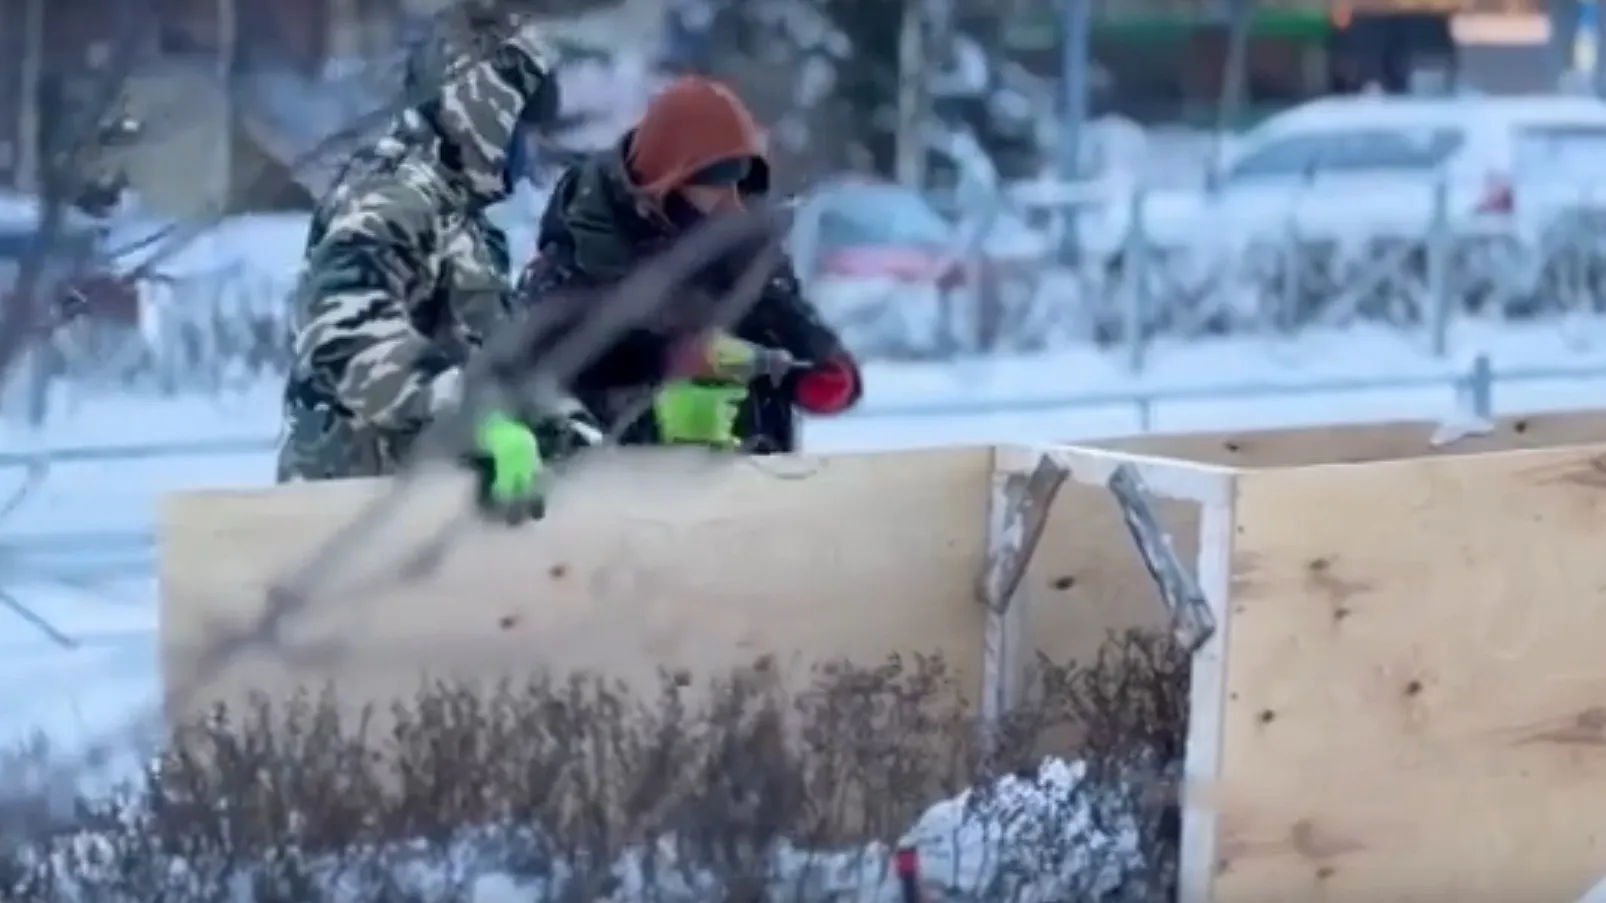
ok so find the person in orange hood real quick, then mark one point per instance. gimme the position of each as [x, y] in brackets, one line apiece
[697, 152]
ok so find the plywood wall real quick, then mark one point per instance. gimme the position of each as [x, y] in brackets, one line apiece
[1362, 442]
[1087, 580]
[1415, 688]
[649, 559]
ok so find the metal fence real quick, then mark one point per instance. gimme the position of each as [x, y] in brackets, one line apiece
[80, 556]
[1129, 277]
[1122, 266]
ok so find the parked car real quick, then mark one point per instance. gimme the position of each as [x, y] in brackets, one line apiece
[878, 257]
[1366, 167]
[860, 230]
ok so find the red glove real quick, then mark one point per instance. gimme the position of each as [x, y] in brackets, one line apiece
[829, 387]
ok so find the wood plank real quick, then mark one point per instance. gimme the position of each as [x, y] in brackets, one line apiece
[1416, 696]
[649, 559]
[1359, 443]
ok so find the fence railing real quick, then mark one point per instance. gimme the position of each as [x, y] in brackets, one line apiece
[1126, 265]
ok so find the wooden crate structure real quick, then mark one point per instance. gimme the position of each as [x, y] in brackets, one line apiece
[1396, 693]
[1403, 697]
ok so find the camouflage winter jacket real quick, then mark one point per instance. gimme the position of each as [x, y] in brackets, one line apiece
[596, 228]
[403, 275]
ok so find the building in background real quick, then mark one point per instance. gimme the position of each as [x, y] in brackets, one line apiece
[1166, 60]
[235, 95]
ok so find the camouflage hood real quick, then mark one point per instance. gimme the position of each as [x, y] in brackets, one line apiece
[474, 114]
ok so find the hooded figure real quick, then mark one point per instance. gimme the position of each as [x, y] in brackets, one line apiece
[404, 276]
[697, 152]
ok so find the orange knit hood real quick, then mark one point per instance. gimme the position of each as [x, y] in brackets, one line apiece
[694, 123]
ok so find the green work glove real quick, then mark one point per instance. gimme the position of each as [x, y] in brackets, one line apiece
[512, 475]
[694, 413]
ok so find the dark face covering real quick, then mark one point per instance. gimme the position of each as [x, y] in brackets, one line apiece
[725, 174]
[696, 149]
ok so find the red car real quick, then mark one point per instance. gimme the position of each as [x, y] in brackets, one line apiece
[859, 229]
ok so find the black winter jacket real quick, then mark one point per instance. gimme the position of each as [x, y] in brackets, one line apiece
[593, 233]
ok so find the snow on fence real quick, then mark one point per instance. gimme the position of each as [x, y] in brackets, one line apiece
[1122, 265]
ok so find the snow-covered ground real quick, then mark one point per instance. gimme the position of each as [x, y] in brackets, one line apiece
[83, 696]
[112, 618]
[1055, 835]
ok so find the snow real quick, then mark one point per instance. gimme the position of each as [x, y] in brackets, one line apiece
[262, 243]
[1025, 839]
[92, 685]
[971, 845]
[101, 598]
[77, 698]
[20, 211]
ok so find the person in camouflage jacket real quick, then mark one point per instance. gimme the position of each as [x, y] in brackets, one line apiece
[696, 152]
[404, 277]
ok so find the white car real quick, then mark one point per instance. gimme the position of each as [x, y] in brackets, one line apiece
[1362, 167]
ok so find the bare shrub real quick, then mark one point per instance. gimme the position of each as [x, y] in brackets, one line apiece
[1131, 706]
[580, 789]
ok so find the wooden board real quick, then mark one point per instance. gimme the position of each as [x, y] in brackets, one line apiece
[1362, 442]
[649, 559]
[1087, 580]
[1415, 688]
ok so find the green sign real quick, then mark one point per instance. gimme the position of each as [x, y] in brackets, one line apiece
[1041, 29]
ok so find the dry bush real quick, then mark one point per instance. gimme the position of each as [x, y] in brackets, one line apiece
[583, 791]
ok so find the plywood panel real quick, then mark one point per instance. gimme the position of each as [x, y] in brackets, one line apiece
[1087, 579]
[649, 559]
[1362, 442]
[1416, 695]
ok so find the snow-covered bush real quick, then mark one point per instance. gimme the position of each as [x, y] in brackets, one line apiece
[580, 790]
